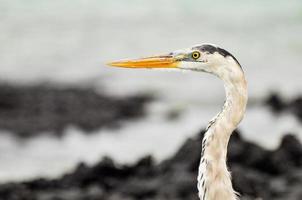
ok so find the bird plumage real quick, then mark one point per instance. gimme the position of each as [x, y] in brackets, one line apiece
[214, 179]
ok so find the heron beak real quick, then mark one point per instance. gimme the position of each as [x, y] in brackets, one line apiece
[164, 61]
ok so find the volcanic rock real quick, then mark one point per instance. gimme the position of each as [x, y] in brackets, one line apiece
[277, 104]
[32, 110]
[257, 173]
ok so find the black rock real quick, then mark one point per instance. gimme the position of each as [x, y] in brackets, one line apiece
[31, 110]
[140, 188]
[278, 186]
[287, 157]
[296, 107]
[256, 172]
[250, 182]
[277, 104]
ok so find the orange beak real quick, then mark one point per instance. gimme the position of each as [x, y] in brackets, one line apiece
[165, 61]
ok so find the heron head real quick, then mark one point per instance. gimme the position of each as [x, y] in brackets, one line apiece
[206, 58]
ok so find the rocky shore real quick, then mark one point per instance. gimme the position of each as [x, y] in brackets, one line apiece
[31, 110]
[278, 104]
[257, 173]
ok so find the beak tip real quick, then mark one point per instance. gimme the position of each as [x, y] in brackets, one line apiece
[112, 64]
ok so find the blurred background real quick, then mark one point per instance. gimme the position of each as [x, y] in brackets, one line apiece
[60, 105]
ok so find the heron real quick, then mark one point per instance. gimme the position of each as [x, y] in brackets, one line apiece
[214, 179]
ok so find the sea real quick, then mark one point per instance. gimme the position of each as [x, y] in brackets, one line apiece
[69, 42]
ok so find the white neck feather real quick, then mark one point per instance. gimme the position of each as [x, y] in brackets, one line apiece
[214, 180]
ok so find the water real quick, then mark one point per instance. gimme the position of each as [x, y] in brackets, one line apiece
[69, 41]
[157, 135]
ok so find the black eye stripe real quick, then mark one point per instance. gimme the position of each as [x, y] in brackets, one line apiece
[207, 48]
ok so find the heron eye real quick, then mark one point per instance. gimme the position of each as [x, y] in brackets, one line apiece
[195, 55]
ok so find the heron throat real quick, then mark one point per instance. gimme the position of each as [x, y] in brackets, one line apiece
[214, 179]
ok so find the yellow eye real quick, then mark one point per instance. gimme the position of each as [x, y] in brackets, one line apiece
[195, 55]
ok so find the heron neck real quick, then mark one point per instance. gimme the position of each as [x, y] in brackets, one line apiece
[214, 180]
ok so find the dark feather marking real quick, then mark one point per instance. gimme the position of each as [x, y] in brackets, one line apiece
[204, 194]
[203, 145]
[212, 49]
